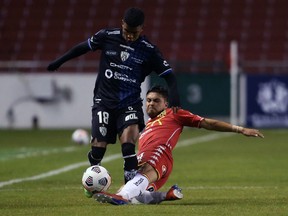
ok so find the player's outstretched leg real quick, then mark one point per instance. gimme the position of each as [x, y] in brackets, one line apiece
[156, 197]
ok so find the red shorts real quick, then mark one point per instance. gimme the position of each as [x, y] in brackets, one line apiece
[161, 160]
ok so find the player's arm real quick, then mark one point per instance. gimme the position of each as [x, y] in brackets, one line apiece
[163, 69]
[74, 52]
[174, 99]
[216, 125]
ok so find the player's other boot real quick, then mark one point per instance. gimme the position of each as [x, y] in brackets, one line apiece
[174, 193]
[87, 193]
[104, 197]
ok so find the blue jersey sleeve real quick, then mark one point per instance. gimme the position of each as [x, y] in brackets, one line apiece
[95, 42]
[159, 64]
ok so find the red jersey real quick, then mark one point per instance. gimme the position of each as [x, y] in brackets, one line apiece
[160, 137]
[166, 128]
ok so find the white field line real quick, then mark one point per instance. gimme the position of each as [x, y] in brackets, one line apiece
[182, 143]
[57, 171]
[34, 153]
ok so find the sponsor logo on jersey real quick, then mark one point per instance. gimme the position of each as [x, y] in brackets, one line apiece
[124, 55]
[111, 53]
[108, 73]
[118, 76]
[123, 77]
[130, 110]
[157, 121]
[103, 131]
[145, 132]
[112, 64]
[131, 117]
[165, 63]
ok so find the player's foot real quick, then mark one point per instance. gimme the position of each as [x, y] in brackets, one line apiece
[87, 193]
[174, 193]
[113, 199]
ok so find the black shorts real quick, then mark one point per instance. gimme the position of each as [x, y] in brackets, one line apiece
[108, 123]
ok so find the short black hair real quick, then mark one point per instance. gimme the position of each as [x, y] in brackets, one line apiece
[160, 90]
[134, 17]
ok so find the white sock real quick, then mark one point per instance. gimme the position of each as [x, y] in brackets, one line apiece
[134, 187]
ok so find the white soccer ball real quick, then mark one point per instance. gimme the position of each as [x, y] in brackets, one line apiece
[80, 136]
[96, 179]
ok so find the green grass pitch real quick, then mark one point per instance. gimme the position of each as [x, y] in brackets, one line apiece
[220, 174]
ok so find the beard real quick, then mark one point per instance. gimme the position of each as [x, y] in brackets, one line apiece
[152, 113]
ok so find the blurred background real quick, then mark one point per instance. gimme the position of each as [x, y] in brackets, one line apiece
[230, 58]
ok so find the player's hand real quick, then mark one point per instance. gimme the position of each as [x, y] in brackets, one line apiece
[53, 66]
[252, 132]
[175, 109]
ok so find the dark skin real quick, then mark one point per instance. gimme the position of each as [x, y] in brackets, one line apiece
[131, 133]
[131, 34]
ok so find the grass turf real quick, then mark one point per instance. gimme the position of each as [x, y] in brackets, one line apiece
[230, 175]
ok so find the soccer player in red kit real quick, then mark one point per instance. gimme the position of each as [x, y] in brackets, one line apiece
[160, 137]
[156, 144]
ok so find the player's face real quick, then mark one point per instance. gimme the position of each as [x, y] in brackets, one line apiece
[155, 104]
[131, 34]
